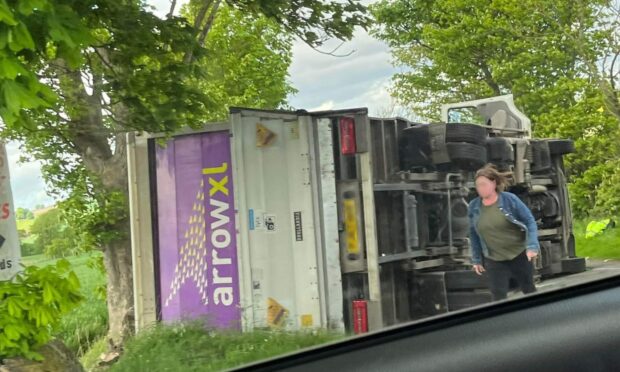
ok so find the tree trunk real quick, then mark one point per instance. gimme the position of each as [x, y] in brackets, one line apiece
[117, 254]
[103, 153]
[117, 259]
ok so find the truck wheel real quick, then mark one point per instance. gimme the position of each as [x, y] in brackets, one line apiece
[463, 132]
[573, 265]
[465, 280]
[561, 146]
[551, 223]
[463, 300]
[414, 147]
[551, 205]
[499, 150]
[502, 166]
[541, 158]
[467, 156]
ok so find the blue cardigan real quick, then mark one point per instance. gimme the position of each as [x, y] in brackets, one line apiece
[515, 211]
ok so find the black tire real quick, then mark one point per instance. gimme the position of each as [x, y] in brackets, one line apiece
[463, 132]
[467, 156]
[414, 147]
[551, 206]
[573, 265]
[561, 146]
[541, 158]
[503, 166]
[463, 300]
[465, 279]
[551, 223]
[545, 205]
[499, 150]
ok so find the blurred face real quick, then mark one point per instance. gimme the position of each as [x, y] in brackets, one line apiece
[485, 187]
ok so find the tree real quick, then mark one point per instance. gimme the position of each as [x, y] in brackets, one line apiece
[248, 62]
[77, 75]
[47, 227]
[54, 236]
[603, 66]
[23, 214]
[540, 51]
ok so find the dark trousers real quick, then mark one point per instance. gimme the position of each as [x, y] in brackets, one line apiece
[500, 273]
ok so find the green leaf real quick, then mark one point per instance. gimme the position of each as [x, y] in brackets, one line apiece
[14, 306]
[4, 38]
[34, 306]
[6, 14]
[46, 93]
[17, 97]
[59, 33]
[48, 296]
[33, 355]
[5, 343]
[21, 38]
[72, 56]
[74, 282]
[10, 68]
[12, 331]
[63, 265]
[27, 7]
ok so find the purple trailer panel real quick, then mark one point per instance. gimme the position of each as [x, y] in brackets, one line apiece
[197, 233]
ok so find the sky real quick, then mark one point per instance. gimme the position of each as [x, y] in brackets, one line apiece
[323, 82]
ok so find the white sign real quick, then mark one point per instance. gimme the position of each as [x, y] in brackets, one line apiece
[10, 253]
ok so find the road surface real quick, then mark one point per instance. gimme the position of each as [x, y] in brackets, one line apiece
[595, 269]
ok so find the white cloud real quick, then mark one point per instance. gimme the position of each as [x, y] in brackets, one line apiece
[358, 80]
[161, 7]
[27, 184]
[327, 105]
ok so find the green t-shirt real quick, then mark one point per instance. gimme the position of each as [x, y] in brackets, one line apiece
[504, 239]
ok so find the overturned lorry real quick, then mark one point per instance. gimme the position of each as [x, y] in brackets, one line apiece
[331, 219]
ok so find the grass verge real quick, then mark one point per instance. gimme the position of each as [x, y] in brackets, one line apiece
[190, 347]
[603, 246]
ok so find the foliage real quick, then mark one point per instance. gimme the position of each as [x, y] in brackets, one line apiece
[247, 65]
[86, 323]
[312, 21]
[26, 239]
[34, 303]
[30, 249]
[23, 214]
[24, 225]
[194, 347]
[83, 326]
[54, 235]
[604, 246]
[91, 358]
[457, 50]
[30, 29]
